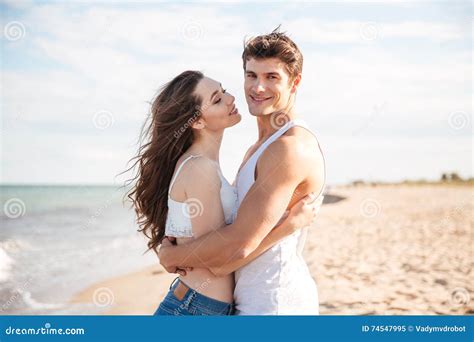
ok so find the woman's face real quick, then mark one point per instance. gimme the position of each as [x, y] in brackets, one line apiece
[218, 110]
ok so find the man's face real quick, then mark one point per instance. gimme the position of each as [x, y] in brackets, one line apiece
[267, 86]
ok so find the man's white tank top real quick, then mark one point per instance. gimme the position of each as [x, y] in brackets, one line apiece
[278, 282]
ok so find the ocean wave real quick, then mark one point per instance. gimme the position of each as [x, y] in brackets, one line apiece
[7, 248]
[34, 304]
[17, 300]
[6, 263]
[13, 246]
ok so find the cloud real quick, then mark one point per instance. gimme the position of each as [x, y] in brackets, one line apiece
[363, 32]
[77, 60]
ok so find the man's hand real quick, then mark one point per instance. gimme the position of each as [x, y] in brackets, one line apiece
[167, 243]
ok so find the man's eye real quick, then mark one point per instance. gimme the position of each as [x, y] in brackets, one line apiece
[217, 101]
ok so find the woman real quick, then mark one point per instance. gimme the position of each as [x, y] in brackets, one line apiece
[180, 190]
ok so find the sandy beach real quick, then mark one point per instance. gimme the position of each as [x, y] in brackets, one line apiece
[386, 249]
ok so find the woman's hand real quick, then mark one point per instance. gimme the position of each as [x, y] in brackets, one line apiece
[162, 253]
[304, 212]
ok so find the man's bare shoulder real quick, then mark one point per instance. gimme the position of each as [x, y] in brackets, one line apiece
[301, 134]
[287, 151]
[297, 143]
[297, 151]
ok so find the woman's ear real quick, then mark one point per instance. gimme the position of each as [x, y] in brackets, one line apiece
[198, 124]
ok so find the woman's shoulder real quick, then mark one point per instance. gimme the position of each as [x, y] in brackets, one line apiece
[200, 170]
[199, 162]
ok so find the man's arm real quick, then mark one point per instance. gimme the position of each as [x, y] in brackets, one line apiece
[280, 171]
[302, 214]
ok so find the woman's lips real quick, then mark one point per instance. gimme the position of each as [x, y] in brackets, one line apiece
[234, 111]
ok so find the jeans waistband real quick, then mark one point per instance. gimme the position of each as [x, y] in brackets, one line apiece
[194, 298]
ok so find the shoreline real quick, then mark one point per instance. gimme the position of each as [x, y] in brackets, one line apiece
[134, 293]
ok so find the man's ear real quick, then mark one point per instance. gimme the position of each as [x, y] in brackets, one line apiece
[296, 83]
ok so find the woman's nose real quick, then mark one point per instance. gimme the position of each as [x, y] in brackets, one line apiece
[230, 98]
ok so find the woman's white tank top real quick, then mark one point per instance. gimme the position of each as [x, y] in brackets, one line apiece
[178, 221]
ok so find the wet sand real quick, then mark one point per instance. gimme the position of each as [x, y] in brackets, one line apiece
[375, 250]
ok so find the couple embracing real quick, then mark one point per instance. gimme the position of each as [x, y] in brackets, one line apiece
[236, 247]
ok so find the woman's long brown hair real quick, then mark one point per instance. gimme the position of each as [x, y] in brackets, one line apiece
[162, 142]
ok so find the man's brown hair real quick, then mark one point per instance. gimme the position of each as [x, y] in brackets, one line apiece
[275, 45]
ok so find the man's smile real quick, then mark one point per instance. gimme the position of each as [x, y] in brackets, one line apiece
[259, 99]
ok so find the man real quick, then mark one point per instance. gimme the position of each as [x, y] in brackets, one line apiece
[282, 167]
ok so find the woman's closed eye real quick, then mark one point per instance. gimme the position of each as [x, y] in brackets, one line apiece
[219, 100]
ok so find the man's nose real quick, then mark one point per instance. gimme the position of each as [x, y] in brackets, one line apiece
[259, 87]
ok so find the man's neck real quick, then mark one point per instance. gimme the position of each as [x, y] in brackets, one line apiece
[269, 124]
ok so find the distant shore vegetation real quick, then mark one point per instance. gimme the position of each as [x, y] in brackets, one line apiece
[451, 178]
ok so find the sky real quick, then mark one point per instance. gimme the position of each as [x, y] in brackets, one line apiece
[386, 87]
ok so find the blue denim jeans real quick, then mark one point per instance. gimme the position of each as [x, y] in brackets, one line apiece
[192, 304]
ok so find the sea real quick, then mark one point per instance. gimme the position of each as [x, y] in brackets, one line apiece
[57, 240]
